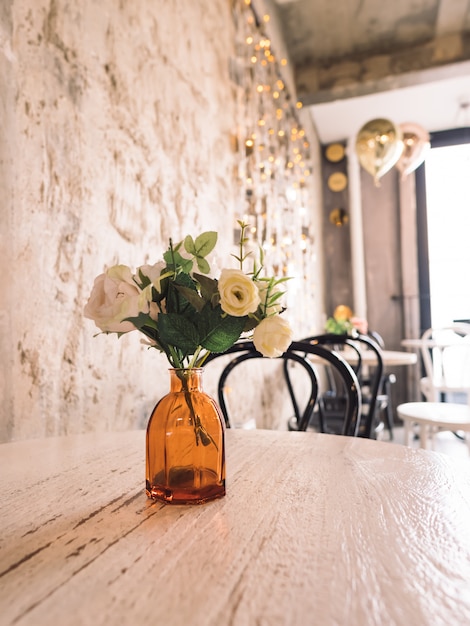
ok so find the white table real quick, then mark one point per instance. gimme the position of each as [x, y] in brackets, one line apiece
[315, 529]
[390, 358]
[431, 417]
[417, 344]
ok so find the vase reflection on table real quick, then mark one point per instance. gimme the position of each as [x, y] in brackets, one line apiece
[185, 454]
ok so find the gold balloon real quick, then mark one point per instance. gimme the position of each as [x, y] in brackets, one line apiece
[379, 145]
[416, 143]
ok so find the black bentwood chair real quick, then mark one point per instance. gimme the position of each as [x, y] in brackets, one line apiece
[330, 402]
[296, 355]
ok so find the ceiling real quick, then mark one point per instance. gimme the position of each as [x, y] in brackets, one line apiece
[356, 60]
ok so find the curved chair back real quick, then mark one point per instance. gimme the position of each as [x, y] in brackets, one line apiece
[371, 384]
[296, 353]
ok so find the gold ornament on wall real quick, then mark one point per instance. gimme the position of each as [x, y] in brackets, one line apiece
[339, 217]
[335, 152]
[337, 181]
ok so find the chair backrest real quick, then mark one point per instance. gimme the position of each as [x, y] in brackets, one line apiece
[369, 374]
[296, 353]
[445, 353]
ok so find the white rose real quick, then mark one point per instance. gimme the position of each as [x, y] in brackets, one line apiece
[114, 297]
[272, 336]
[239, 294]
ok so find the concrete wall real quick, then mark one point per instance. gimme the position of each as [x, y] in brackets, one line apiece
[116, 125]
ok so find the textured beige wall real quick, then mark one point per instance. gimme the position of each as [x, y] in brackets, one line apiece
[116, 120]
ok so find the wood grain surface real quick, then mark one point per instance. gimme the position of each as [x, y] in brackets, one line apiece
[315, 529]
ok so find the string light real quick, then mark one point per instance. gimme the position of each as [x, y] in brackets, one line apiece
[273, 163]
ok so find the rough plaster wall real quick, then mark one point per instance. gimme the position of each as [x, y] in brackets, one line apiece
[116, 123]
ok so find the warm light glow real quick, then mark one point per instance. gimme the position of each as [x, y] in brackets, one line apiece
[273, 174]
[291, 194]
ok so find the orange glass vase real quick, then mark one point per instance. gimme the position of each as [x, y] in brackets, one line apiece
[185, 456]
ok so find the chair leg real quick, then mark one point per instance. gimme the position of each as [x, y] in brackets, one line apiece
[408, 432]
[424, 436]
[386, 390]
[389, 419]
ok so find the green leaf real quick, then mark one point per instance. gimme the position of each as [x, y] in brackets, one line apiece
[208, 286]
[144, 280]
[275, 297]
[176, 330]
[205, 243]
[143, 319]
[203, 265]
[186, 265]
[189, 245]
[174, 301]
[250, 324]
[218, 331]
[192, 296]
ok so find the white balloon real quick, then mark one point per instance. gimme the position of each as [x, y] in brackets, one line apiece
[416, 143]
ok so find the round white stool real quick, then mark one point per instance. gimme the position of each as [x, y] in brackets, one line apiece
[432, 417]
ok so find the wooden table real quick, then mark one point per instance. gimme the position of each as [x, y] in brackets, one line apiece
[315, 529]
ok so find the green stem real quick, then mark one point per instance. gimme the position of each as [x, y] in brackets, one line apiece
[199, 430]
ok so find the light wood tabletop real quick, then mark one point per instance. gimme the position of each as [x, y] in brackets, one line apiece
[314, 530]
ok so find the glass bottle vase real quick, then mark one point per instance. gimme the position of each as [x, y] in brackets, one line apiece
[185, 455]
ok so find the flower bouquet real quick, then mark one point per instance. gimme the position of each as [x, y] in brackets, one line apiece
[344, 322]
[186, 315]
